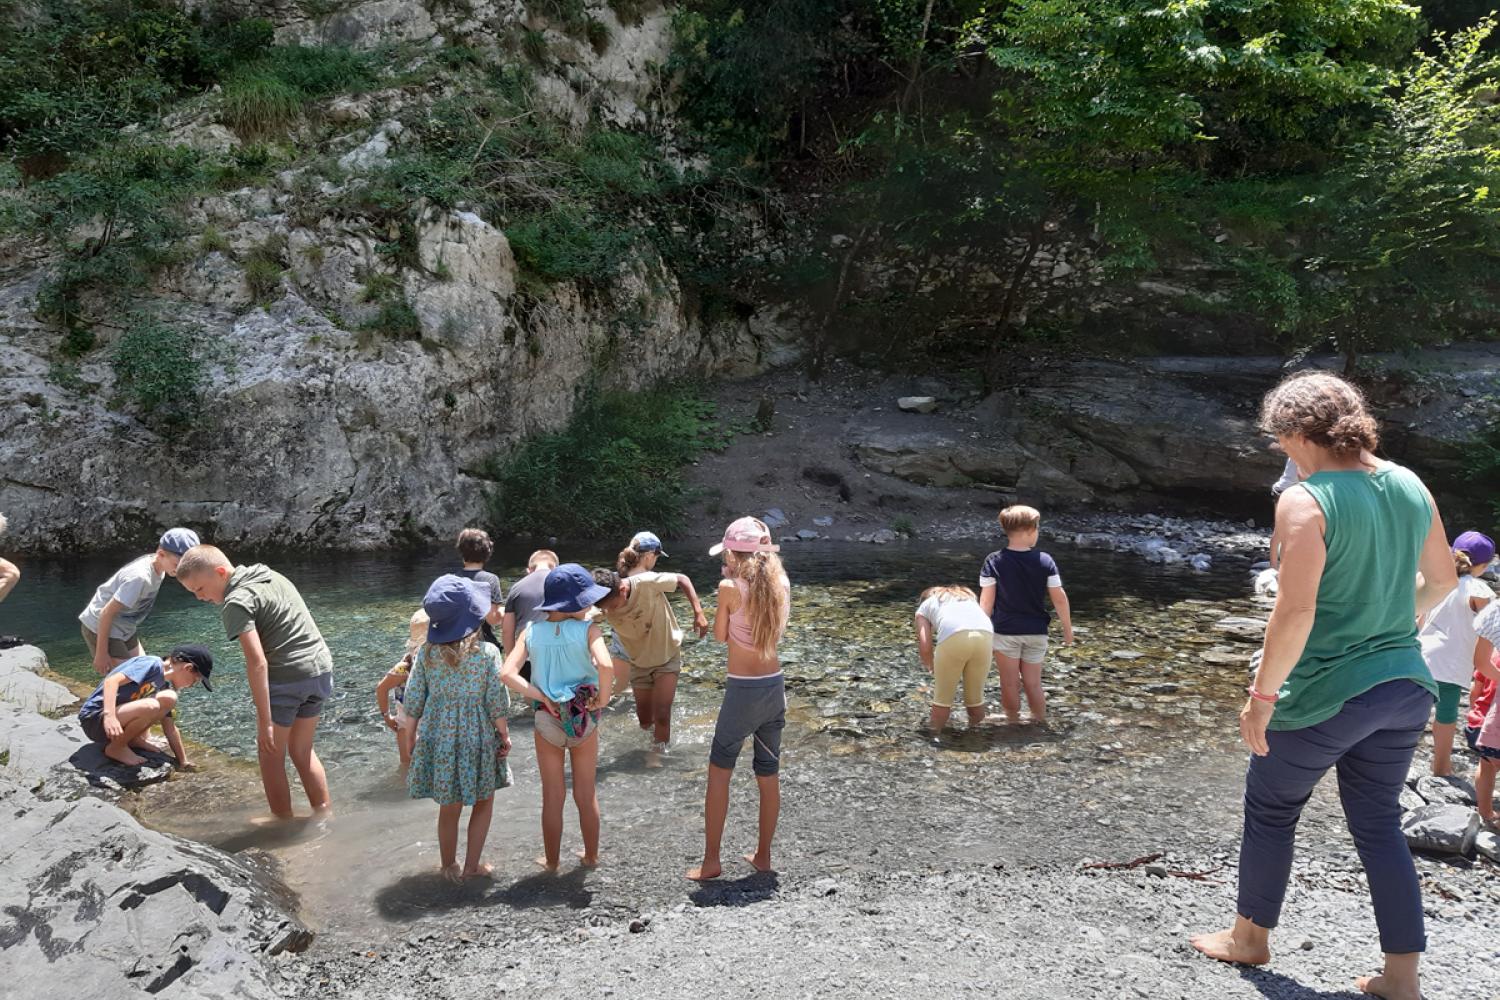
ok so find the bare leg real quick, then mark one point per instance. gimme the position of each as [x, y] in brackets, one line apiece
[976, 715]
[549, 763]
[645, 706]
[1009, 668]
[1442, 748]
[273, 773]
[585, 760]
[662, 697]
[135, 718]
[309, 768]
[715, 812]
[406, 740]
[1031, 679]
[770, 811]
[1399, 981]
[1484, 788]
[1243, 944]
[448, 840]
[479, 829]
[938, 718]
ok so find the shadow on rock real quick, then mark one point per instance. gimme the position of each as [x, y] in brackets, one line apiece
[102, 772]
[429, 893]
[757, 888]
[1278, 987]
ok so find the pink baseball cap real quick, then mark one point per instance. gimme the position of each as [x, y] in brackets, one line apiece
[746, 535]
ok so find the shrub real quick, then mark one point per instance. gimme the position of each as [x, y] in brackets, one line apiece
[395, 320]
[617, 465]
[264, 266]
[160, 369]
[256, 103]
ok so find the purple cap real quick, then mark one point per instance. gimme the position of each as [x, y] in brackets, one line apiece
[1480, 548]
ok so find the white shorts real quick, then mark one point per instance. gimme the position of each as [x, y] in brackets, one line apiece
[1026, 648]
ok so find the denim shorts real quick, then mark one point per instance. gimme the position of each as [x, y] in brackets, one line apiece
[299, 699]
[1471, 737]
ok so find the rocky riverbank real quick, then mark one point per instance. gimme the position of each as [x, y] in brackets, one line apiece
[92, 899]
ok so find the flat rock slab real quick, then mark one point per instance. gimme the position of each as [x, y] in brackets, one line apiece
[1452, 790]
[1441, 828]
[1488, 843]
[101, 772]
[917, 404]
[1243, 629]
[55, 754]
[93, 904]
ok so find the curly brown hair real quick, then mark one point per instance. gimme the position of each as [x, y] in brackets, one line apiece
[1324, 409]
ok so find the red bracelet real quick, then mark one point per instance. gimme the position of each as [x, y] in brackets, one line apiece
[1269, 699]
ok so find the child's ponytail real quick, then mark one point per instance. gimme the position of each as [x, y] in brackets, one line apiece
[1461, 561]
[627, 560]
[767, 598]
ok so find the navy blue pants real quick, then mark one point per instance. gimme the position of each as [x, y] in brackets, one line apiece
[1370, 742]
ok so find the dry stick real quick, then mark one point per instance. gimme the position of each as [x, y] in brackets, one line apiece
[1112, 865]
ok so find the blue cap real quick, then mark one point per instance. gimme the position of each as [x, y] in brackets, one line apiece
[178, 540]
[571, 588]
[645, 541]
[1478, 546]
[455, 607]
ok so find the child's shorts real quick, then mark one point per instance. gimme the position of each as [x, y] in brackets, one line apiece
[1447, 703]
[93, 728]
[645, 677]
[754, 707]
[301, 699]
[1471, 737]
[575, 723]
[1026, 648]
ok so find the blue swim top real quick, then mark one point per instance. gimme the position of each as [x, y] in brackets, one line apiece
[559, 655]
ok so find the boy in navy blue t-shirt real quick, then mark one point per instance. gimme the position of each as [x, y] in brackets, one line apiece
[137, 695]
[1013, 589]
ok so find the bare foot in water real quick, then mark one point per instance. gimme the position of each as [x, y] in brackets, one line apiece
[759, 863]
[550, 866]
[1225, 948]
[705, 872]
[482, 870]
[123, 755]
[588, 861]
[273, 820]
[1379, 986]
[453, 873]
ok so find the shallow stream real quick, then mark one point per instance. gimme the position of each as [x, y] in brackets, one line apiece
[1138, 753]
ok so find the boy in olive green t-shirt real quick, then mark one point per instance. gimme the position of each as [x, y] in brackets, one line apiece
[287, 664]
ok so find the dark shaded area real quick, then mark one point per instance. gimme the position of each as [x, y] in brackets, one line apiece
[759, 887]
[417, 896]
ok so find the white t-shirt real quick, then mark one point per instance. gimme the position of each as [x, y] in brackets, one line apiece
[135, 586]
[955, 614]
[1448, 635]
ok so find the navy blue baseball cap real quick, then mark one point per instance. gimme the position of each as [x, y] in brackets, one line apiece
[201, 659]
[645, 541]
[455, 607]
[571, 588]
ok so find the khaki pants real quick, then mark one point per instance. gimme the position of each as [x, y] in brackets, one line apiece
[962, 656]
[120, 649]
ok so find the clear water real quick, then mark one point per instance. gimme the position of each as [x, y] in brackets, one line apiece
[1150, 687]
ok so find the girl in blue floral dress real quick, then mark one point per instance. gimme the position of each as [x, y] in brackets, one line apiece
[458, 707]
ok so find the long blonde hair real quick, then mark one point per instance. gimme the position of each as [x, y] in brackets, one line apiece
[453, 651]
[950, 592]
[766, 599]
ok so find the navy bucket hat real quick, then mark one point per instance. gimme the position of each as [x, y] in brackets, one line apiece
[455, 607]
[571, 588]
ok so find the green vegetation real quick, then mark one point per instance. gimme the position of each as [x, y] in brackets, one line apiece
[160, 369]
[616, 466]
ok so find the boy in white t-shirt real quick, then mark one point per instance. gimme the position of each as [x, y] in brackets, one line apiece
[113, 618]
[1448, 637]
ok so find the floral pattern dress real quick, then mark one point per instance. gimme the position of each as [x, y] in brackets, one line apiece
[455, 759]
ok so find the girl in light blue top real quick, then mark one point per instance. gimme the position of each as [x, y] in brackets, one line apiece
[571, 681]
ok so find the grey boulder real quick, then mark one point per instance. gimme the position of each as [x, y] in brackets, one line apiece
[21, 684]
[1441, 828]
[1452, 790]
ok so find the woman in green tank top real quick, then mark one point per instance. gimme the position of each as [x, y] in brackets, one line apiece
[1342, 683]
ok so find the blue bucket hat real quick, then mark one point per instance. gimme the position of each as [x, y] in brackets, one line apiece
[571, 588]
[455, 607]
[645, 541]
[178, 540]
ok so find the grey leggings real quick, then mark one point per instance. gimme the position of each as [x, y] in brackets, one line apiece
[753, 707]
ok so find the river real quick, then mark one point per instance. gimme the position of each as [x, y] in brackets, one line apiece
[1138, 750]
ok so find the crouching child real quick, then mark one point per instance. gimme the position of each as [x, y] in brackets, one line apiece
[139, 694]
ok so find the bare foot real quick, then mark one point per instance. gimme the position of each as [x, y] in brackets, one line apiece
[272, 820]
[1379, 986]
[550, 866]
[1225, 948]
[123, 755]
[146, 743]
[453, 873]
[481, 870]
[705, 872]
[758, 863]
[587, 860]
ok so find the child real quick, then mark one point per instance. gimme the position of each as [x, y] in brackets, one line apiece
[1482, 726]
[964, 638]
[392, 689]
[287, 664]
[1290, 476]
[456, 711]
[646, 633]
[1448, 638]
[1013, 587]
[475, 548]
[524, 598]
[571, 681]
[755, 600]
[137, 695]
[10, 573]
[123, 601]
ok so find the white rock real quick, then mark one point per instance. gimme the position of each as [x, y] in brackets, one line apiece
[917, 404]
[375, 151]
[21, 685]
